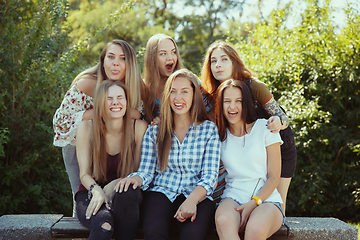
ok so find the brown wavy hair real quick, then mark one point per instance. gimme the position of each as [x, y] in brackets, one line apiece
[246, 104]
[98, 141]
[239, 71]
[166, 127]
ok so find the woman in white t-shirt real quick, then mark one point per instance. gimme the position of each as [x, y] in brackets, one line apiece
[251, 155]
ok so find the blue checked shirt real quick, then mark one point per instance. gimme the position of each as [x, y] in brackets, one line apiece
[194, 162]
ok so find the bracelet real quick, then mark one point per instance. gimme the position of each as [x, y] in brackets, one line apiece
[257, 200]
[90, 189]
[281, 120]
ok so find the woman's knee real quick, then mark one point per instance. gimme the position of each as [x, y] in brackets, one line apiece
[222, 221]
[130, 196]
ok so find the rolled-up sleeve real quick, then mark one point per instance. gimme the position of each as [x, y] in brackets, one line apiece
[210, 164]
[146, 170]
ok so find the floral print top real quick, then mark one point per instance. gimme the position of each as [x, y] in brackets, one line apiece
[68, 116]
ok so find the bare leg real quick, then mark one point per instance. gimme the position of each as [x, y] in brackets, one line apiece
[227, 220]
[283, 188]
[263, 222]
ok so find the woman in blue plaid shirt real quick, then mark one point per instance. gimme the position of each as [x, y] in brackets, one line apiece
[179, 163]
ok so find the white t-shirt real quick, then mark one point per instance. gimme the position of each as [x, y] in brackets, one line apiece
[245, 160]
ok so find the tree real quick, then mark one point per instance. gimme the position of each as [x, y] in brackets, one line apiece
[314, 74]
[31, 169]
[36, 64]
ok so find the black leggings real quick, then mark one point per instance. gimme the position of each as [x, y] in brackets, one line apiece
[124, 218]
[159, 214]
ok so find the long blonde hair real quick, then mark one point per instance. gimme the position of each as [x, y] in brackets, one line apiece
[98, 141]
[166, 127]
[151, 68]
[133, 80]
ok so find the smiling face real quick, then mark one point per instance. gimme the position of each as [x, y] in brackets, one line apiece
[114, 63]
[181, 96]
[116, 101]
[232, 104]
[221, 65]
[167, 57]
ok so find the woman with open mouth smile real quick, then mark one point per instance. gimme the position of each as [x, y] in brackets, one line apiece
[222, 62]
[179, 164]
[161, 60]
[108, 149]
[251, 155]
[117, 61]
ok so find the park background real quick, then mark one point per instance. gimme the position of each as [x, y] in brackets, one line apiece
[307, 52]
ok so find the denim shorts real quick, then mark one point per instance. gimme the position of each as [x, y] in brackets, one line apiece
[277, 204]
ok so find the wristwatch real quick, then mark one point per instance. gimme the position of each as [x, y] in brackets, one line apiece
[257, 199]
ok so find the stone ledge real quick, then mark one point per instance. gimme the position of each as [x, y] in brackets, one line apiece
[27, 226]
[316, 228]
[51, 226]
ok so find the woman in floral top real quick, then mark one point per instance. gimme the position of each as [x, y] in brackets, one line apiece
[117, 62]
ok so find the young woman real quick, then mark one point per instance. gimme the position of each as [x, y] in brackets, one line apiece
[118, 62]
[222, 62]
[179, 163]
[161, 60]
[108, 149]
[251, 155]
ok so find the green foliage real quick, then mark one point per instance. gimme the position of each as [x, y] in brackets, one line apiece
[32, 173]
[314, 73]
[3, 140]
[311, 68]
[134, 23]
[36, 67]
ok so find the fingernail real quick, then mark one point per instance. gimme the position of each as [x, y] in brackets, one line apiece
[87, 217]
[192, 220]
[94, 214]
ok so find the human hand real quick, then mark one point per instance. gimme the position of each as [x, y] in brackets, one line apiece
[124, 183]
[274, 124]
[245, 211]
[186, 210]
[155, 121]
[109, 192]
[97, 200]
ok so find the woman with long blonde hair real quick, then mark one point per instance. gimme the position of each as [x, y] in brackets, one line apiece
[179, 163]
[162, 58]
[108, 149]
[118, 62]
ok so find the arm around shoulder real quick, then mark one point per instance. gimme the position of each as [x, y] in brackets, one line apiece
[87, 85]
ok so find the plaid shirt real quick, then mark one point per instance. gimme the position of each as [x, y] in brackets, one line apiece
[194, 162]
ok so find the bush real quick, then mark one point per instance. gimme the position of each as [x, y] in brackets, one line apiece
[33, 176]
[36, 68]
[314, 73]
